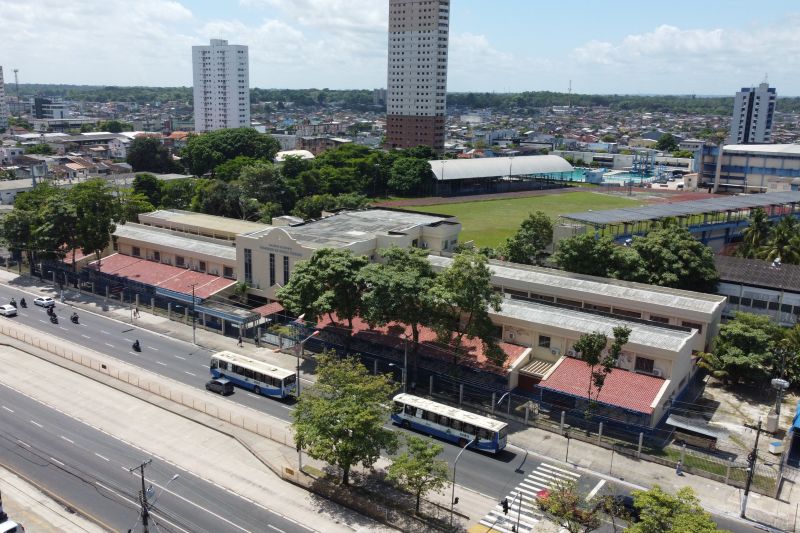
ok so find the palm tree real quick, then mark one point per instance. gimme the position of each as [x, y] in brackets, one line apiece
[783, 242]
[756, 233]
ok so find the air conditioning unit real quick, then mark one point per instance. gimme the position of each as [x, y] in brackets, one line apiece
[572, 353]
[657, 372]
[423, 244]
[555, 351]
[511, 335]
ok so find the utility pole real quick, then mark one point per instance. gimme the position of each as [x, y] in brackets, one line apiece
[751, 467]
[194, 323]
[143, 496]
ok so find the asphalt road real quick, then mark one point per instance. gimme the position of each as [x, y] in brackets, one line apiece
[90, 469]
[491, 475]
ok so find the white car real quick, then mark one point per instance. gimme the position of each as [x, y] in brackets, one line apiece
[8, 310]
[44, 301]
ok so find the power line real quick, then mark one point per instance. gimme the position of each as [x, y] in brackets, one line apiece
[143, 497]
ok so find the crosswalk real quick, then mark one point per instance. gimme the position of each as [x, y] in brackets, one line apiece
[523, 513]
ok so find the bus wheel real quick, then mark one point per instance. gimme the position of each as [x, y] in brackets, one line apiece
[256, 390]
[405, 424]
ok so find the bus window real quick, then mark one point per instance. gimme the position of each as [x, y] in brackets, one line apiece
[444, 421]
[503, 433]
[469, 428]
[223, 365]
[288, 380]
[455, 424]
[214, 363]
[248, 373]
[431, 417]
[410, 411]
[485, 434]
[398, 408]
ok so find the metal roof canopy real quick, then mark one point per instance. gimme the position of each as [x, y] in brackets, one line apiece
[679, 209]
[491, 167]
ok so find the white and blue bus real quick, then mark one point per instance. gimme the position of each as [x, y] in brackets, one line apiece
[257, 376]
[449, 423]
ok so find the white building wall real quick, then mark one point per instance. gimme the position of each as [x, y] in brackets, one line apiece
[221, 86]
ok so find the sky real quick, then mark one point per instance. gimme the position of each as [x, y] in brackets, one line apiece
[704, 47]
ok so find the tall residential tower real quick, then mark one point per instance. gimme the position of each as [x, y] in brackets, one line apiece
[417, 82]
[221, 86]
[3, 103]
[752, 115]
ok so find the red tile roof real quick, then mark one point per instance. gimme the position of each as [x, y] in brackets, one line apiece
[392, 335]
[163, 276]
[635, 392]
[269, 309]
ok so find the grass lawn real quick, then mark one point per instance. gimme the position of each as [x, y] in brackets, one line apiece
[490, 222]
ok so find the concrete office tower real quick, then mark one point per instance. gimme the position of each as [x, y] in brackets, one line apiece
[753, 109]
[221, 86]
[417, 82]
[3, 103]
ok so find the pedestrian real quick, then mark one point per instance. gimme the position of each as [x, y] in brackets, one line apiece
[679, 468]
[258, 342]
[136, 312]
[240, 340]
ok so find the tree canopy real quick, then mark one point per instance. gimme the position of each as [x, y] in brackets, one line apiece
[661, 512]
[204, 152]
[528, 244]
[340, 419]
[418, 469]
[147, 154]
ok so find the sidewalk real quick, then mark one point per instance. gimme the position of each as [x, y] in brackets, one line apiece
[714, 496]
[25, 504]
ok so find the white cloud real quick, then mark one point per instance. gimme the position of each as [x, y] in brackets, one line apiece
[338, 15]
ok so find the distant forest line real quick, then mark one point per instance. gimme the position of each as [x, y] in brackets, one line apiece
[526, 102]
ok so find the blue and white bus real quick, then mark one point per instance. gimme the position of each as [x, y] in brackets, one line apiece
[257, 376]
[449, 423]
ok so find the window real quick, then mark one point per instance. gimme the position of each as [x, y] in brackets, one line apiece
[180, 261]
[156, 256]
[625, 312]
[227, 272]
[271, 270]
[693, 325]
[223, 365]
[759, 304]
[643, 364]
[136, 252]
[202, 266]
[660, 319]
[248, 266]
[285, 269]
[734, 300]
[544, 342]
[398, 408]
[214, 363]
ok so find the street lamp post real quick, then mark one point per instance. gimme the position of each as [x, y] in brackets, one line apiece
[455, 463]
[402, 374]
[300, 352]
[566, 436]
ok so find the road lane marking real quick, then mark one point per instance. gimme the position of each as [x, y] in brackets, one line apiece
[253, 395]
[62, 327]
[275, 528]
[35, 423]
[104, 332]
[109, 345]
[42, 321]
[85, 336]
[190, 373]
[151, 348]
[134, 354]
[182, 358]
[104, 458]
[7, 409]
[127, 339]
[68, 440]
[160, 363]
[24, 443]
[56, 461]
[595, 489]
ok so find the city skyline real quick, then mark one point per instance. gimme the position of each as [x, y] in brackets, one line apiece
[713, 48]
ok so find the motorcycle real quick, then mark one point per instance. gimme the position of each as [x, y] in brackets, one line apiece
[22, 303]
[136, 347]
[74, 318]
[54, 318]
[14, 303]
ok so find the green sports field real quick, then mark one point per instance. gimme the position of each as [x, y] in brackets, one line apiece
[490, 222]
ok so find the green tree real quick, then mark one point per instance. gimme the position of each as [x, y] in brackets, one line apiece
[783, 242]
[755, 235]
[178, 194]
[572, 509]
[204, 152]
[326, 283]
[409, 176]
[418, 469]
[527, 246]
[340, 419]
[147, 154]
[149, 186]
[263, 182]
[230, 169]
[672, 257]
[661, 512]
[590, 346]
[399, 289]
[115, 126]
[41, 148]
[312, 206]
[666, 143]
[130, 205]
[95, 208]
[745, 349]
[585, 254]
[463, 295]
[292, 166]
[56, 231]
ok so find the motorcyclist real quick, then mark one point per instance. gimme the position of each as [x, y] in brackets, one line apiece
[14, 303]
[74, 317]
[22, 302]
[136, 346]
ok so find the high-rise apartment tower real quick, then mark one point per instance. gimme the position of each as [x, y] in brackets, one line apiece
[3, 103]
[221, 86]
[417, 81]
[753, 109]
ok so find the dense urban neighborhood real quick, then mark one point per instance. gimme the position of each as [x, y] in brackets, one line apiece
[405, 308]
